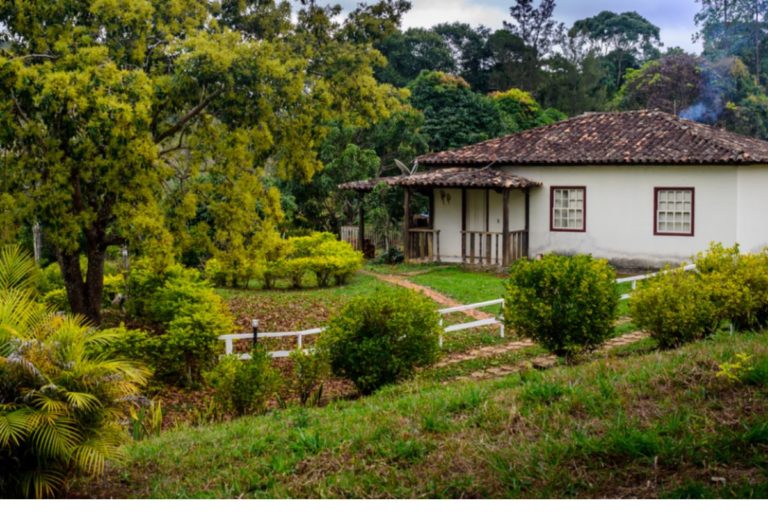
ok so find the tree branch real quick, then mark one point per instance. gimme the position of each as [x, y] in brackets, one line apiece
[181, 123]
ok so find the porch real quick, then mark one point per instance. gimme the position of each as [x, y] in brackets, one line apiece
[476, 216]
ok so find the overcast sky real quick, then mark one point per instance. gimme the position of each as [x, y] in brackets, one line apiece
[674, 17]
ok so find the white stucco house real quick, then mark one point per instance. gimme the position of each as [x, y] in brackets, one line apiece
[639, 188]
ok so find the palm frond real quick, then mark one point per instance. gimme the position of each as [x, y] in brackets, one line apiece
[42, 482]
[84, 401]
[54, 435]
[17, 269]
[14, 427]
[48, 403]
[91, 456]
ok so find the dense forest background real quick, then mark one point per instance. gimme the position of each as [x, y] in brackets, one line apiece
[181, 130]
[470, 83]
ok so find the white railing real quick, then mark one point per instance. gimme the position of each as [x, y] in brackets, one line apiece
[635, 279]
[471, 325]
[229, 339]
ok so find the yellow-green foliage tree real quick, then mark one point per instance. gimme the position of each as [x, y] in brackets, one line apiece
[143, 120]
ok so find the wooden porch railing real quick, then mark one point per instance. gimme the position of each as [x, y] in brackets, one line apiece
[423, 245]
[487, 248]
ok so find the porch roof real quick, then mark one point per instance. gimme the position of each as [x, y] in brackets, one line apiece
[451, 177]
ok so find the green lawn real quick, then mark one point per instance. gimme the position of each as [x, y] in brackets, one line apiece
[650, 425]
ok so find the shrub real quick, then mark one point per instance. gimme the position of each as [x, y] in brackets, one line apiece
[178, 295]
[57, 300]
[144, 281]
[60, 399]
[309, 373]
[292, 259]
[382, 338]
[567, 304]
[233, 272]
[131, 344]
[393, 256]
[50, 279]
[190, 345]
[244, 387]
[189, 317]
[737, 283]
[675, 307]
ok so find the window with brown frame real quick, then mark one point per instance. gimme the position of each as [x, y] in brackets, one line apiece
[568, 209]
[673, 212]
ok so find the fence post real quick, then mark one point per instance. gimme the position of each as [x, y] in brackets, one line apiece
[501, 319]
[441, 331]
[299, 339]
[255, 326]
[228, 346]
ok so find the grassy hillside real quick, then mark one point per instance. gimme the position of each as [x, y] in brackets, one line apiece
[660, 424]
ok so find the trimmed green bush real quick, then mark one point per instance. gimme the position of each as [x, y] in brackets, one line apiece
[244, 387]
[675, 307]
[235, 273]
[382, 338]
[567, 304]
[318, 254]
[737, 283]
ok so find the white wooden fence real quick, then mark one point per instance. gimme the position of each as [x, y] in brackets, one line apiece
[229, 339]
[635, 279]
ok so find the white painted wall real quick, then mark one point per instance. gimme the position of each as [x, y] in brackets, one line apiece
[448, 221]
[752, 208]
[730, 206]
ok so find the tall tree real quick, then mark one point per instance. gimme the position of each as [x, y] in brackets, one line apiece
[106, 104]
[411, 52]
[454, 115]
[538, 30]
[624, 40]
[470, 51]
[734, 28]
[672, 84]
[509, 63]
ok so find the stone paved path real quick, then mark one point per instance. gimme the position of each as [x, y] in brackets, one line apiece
[542, 362]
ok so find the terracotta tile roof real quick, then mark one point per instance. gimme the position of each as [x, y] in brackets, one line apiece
[368, 185]
[450, 177]
[638, 137]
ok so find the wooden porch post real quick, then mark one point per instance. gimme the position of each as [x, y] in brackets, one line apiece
[505, 228]
[361, 222]
[488, 238]
[406, 223]
[463, 225]
[526, 240]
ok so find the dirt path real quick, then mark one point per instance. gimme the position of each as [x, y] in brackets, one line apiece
[429, 292]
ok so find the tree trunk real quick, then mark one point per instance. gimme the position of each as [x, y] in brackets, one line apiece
[84, 295]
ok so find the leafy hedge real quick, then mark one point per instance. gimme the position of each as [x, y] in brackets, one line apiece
[382, 338]
[675, 307]
[678, 307]
[185, 316]
[293, 259]
[567, 304]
